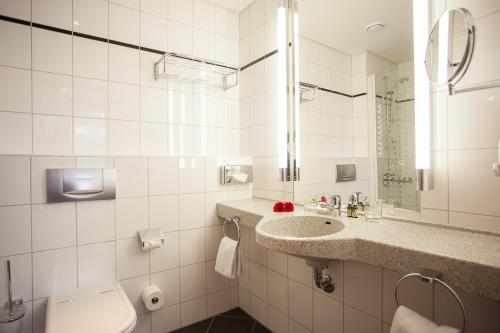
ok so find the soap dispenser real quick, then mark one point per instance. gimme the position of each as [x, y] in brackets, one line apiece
[352, 207]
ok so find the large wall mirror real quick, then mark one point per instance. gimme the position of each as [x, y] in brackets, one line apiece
[357, 101]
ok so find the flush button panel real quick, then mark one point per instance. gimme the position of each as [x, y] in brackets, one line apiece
[80, 184]
[346, 172]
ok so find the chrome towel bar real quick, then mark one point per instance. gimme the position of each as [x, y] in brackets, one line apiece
[235, 220]
[431, 276]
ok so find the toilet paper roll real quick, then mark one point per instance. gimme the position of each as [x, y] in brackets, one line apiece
[152, 297]
[153, 244]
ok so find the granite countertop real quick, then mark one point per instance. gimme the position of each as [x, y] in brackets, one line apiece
[469, 261]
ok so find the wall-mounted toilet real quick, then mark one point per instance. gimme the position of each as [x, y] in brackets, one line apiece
[105, 310]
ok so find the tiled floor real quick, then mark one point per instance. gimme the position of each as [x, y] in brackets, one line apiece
[233, 321]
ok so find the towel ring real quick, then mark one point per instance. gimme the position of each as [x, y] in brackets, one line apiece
[431, 279]
[235, 220]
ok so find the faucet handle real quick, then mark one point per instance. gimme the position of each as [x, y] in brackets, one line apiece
[335, 200]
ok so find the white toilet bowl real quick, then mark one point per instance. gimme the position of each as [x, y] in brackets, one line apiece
[105, 310]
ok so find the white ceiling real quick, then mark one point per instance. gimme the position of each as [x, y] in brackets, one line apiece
[341, 24]
[234, 5]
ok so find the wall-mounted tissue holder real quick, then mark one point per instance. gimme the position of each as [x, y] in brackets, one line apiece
[151, 238]
[80, 184]
[230, 174]
[346, 172]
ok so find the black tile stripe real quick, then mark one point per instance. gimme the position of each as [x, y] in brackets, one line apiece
[48, 27]
[259, 60]
[99, 39]
[14, 20]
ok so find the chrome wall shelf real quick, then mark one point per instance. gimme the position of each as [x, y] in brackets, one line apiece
[199, 71]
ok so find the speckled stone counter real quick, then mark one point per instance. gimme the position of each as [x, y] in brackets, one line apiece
[469, 261]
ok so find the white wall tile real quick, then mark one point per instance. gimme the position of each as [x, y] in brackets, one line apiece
[95, 221]
[154, 139]
[219, 302]
[96, 265]
[299, 271]
[134, 4]
[15, 133]
[192, 246]
[155, 7]
[363, 287]
[123, 101]
[90, 98]
[123, 64]
[169, 283]
[131, 261]
[14, 180]
[166, 319]
[258, 309]
[276, 321]
[191, 210]
[52, 51]
[154, 32]
[90, 136]
[167, 256]
[15, 89]
[203, 44]
[16, 39]
[52, 135]
[53, 226]
[153, 105]
[278, 291]
[258, 280]
[123, 24]
[193, 311]
[191, 175]
[54, 271]
[131, 216]
[327, 315]
[91, 17]
[143, 324]
[18, 9]
[357, 321]
[215, 281]
[56, 13]
[90, 58]
[163, 176]
[39, 165]
[52, 94]
[300, 303]
[123, 137]
[131, 176]
[180, 38]
[471, 180]
[475, 222]
[193, 281]
[212, 198]
[181, 11]
[164, 212]
[15, 223]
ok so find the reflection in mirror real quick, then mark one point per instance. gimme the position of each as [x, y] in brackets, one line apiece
[449, 48]
[362, 112]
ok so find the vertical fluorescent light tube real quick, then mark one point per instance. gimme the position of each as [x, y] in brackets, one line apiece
[422, 100]
[297, 89]
[282, 89]
[443, 48]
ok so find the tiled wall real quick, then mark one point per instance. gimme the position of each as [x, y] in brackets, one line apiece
[466, 135]
[278, 290]
[68, 101]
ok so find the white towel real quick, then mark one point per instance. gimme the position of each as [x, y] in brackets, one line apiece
[229, 258]
[408, 321]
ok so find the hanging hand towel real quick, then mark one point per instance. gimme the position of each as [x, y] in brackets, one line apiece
[229, 258]
[408, 321]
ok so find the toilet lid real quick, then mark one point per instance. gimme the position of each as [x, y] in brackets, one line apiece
[105, 310]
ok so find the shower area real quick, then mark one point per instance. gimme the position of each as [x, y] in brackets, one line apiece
[395, 137]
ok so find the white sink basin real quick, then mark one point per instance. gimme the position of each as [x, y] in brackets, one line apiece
[301, 227]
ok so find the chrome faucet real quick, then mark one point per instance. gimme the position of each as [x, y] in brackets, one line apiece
[335, 203]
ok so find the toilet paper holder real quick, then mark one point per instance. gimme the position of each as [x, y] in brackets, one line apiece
[151, 238]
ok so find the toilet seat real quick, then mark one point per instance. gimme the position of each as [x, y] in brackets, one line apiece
[105, 310]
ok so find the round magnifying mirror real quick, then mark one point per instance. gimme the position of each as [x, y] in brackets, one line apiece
[450, 46]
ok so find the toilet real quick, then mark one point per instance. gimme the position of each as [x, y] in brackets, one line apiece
[104, 310]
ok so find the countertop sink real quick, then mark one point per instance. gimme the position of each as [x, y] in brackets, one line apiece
[301, 227]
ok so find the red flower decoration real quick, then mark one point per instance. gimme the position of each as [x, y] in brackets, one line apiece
[288, 206]
[323, 198]
[278, 207]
